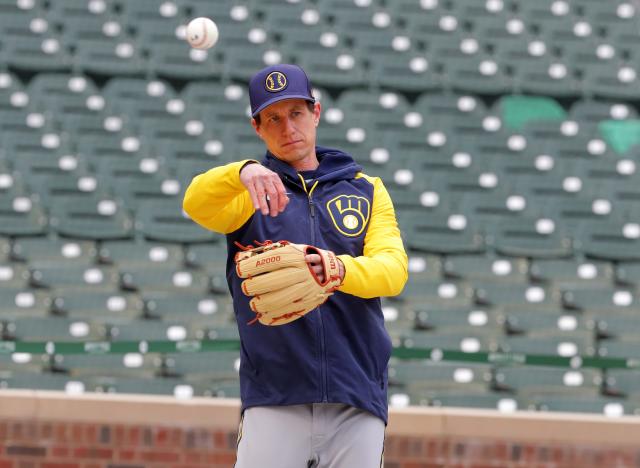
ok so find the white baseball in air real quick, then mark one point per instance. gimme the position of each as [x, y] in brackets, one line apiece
[202, 33]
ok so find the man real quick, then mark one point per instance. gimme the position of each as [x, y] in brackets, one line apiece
[314, 390]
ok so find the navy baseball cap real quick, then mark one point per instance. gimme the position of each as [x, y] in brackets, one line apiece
[276, 83]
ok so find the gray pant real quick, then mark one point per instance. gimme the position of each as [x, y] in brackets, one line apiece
[319, 435]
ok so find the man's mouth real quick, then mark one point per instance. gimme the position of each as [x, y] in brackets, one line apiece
[289, 143]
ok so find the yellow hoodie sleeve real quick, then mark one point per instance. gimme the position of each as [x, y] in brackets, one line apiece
[217, 200]
[382, 270]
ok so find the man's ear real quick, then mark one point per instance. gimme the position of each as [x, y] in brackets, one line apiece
[317, 108]
[256, 127]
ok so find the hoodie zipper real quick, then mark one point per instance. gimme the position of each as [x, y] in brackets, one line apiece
[323, 347]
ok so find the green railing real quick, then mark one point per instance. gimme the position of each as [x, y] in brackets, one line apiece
[434, 354]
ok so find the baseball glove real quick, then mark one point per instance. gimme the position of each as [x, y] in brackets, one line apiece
[283, 285]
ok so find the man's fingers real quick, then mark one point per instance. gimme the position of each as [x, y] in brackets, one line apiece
[273, 198]
[283, 199]
[261, 197]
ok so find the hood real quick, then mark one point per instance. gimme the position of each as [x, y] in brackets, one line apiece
[334, 165]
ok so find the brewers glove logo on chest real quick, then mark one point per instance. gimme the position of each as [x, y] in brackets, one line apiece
[349, 213]
[275, 81]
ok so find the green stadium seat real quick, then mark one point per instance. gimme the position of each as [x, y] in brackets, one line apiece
[211, 257]
[242, 60]
[156, 9]
[20, 363]
[110, 58]
[567, 273]
[47, 250]
[140, 253]
[479, 74]
[485, 268]
[517, 111]
[593, 112]
[412, 73]
[177, 60]
[151, 386]
[536, 238]
[619, 348]
[334, 68]
[469, 341]
[36, 53]
[498, 401]
[610, 407]
[458, 319]
[603, 299]
[68, 185]
[162, 221]
[13, 275]
[622, 326]
[90, 218]
[627, 273]
[504, 294]
[537, 380]
[614, 241]
[5, 248]
[439, 376]
[164, 278]
[106, 28]
[565, 343]
[608, 81]
[41, 381]
[132, 192]
[79, 9]
[623, 382]
[552, 77]
[528, 320]
[442, 233]
[21, 216]
[151, 330]
[438, 292]
[204, 310]
[227, 389]
[221, 366]
[109, 306]
[90, 278]
[108, 365]
[52, 329]
[20, 302]
[12, 92]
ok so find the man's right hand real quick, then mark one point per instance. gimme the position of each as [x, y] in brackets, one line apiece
[266, 189]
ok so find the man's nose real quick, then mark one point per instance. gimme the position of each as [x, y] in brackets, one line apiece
[287, 126]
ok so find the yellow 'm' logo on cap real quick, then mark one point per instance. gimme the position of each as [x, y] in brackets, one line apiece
[276, 81]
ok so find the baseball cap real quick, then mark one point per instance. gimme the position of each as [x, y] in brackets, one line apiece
[276, 83]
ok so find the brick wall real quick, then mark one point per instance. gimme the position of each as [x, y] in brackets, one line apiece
[52, 430]
[44, 444]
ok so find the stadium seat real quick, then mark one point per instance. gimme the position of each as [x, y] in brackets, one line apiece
[528, 320]
[90, 278]
[571, 272]
[164, 278]
[18, 302]
[623, 382]
[547, 381]
[86, 303]
[485, 268]
[439, 376]
[204, 310]
[21, 216]
[610, 407]
[165, 222]
[108, 365]
[221, 366]
[429, 317]
[52, 329]
[472, 341]
[90, 218]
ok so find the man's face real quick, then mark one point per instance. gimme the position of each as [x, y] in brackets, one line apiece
[288, 129]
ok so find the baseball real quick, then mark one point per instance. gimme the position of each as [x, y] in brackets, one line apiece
[202, 33]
